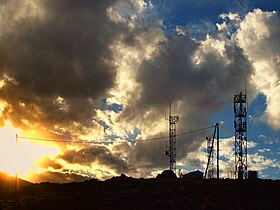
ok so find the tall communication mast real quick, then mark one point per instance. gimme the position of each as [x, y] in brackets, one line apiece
[240, 126]
[210, 163]
[209, 171]
[171, 148]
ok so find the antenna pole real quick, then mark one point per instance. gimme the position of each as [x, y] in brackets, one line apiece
[16, 177]
[210, 151]
[245, 84]
[218, 136]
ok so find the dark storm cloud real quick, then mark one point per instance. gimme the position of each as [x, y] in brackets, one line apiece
[150, 154]
[96, 155]
[173, 75]
[65, 53]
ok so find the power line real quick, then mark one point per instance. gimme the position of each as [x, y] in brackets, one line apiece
[152, 139]
[104, 142]
[180, 134]
[195, 131]
[64, 141]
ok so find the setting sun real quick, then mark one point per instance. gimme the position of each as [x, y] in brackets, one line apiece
[21, 158]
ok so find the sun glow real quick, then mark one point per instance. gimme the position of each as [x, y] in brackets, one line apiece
[20, 157]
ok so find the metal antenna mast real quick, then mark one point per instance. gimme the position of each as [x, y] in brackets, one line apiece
[210, 164]
[240, 126]
[210, 147]
[16, 177]
[171, 149]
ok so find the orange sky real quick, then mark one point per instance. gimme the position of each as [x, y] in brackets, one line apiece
[23, 157]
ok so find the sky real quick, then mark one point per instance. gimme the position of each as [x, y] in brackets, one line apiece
[86, 85]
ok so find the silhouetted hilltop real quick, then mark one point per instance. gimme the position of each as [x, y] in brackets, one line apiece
[167, 174]
[7, 184]
[128, 193]
[121, 178]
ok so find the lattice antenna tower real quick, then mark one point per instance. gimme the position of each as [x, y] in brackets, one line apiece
[240, 126]
[171, 148]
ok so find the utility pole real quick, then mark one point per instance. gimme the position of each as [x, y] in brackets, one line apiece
[218, 148]
[16, 177]
[171, 149]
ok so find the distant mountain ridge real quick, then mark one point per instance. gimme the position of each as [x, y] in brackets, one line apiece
[163, 192]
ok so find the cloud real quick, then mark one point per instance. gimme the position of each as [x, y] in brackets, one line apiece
[264, 150]
[79, 163]
[52, 50]
[57, 177]
[57, 62]
[100, 156]
[197, 78]
[268, 140]
[46, 162]
[258, 36]
[60, 60]
[259, 162]
[256, 161]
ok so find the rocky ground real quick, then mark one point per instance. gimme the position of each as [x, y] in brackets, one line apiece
[159, 193]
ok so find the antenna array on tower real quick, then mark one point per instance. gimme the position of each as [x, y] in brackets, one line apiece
[171, 149]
